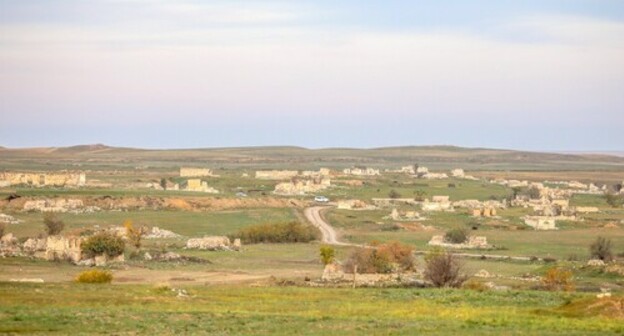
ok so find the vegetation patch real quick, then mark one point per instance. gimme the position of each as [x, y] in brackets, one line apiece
[292, 232]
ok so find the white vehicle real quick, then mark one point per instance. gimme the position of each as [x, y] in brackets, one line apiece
[321, 199]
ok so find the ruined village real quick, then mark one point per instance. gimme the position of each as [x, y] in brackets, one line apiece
[186, 227]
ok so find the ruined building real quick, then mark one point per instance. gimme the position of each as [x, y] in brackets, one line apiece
[42, 179]
[195, 172]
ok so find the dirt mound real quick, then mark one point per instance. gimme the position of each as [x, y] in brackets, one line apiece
[610, 307]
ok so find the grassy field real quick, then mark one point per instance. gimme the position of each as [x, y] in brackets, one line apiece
[186, 223]
[48, 309]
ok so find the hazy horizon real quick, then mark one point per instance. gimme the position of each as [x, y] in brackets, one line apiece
[530, 75]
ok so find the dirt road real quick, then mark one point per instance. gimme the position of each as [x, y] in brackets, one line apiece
[329, 235]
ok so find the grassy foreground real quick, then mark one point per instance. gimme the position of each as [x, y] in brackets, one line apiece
[233, 310]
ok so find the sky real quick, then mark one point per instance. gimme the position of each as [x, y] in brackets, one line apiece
[545, 75]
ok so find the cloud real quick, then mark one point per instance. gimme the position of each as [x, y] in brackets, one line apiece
[206, 74]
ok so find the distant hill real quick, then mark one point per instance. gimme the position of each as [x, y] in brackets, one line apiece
[299, 157]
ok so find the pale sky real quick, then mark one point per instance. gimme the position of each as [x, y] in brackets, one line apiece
[537, 75]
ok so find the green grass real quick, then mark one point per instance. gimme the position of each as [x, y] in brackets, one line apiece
[186, 223]
[224, 310]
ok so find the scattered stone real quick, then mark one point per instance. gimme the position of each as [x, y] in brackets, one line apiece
[147, 256]
[473, 242]
[483, 274]
[595, 262]
[32, 280]
[8, 219]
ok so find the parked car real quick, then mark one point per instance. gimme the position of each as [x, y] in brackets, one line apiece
[321, 199]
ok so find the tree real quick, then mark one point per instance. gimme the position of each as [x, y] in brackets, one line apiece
[601, 249]
[163, 183]
[53, 225]
[443, 269]
[135, 235]
[2, 228]
[328, 254]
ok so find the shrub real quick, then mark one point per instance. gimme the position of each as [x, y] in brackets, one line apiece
[2, 228]
[614, 200]
[557, 278]
[292, 232]
[328, 254]
[394, 194]
[456, 236]
[94, 276]
[53, 225]
[443, 269]
[475, 285]
[601, 249]
[103, 243]
[383, 258]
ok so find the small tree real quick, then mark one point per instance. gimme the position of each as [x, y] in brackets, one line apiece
[103, 243]
[53, 225]
[443, 269]
[163, 183]
[557, 279]
[2, 228]
[328, 254]
[394, 194]
[456, 235]
[135, 235]
[601, 249]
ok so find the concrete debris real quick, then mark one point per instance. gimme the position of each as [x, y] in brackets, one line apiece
[300, 186]
[540, 222]
[214, 243]
[474, 242]
[8, 219]
[158, 233]
[361, 171]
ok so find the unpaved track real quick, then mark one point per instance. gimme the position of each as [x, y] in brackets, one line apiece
[328, 233]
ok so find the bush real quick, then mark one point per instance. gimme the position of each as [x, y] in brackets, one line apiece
[328, 254]
[292, 232]
[557, 278]
[2, 228]
[103, 243]
[614, 200]
[53, 225]
[94, 276]
[443, 269]
[383, 258]
[601, 249]
[456, 236]
[394, 194]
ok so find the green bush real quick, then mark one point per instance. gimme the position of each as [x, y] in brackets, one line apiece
[456, 236]
[292, 232]
[103, 243]
[94, 276]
